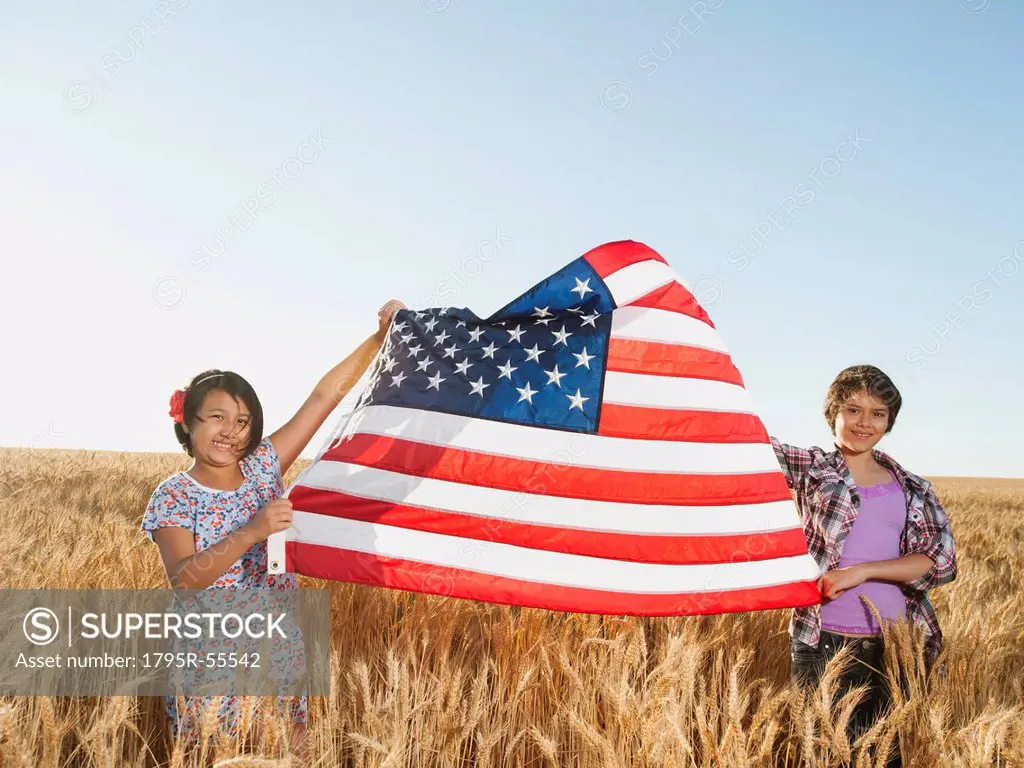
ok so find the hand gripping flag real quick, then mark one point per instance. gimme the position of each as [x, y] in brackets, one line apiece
[590, 448]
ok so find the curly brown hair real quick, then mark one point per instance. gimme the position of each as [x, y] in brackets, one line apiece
[861, 378]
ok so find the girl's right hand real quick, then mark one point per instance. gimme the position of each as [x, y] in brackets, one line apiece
[273, 518]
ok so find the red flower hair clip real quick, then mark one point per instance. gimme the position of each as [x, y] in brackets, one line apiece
[177, 411]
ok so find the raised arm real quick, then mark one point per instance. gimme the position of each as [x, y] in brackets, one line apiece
[793, 461]
[292, 438]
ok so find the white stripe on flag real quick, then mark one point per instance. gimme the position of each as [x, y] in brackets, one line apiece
[579, 450]
[630, 283]
[519, 506]
[525, 564]
[678, 393]
[659, 325]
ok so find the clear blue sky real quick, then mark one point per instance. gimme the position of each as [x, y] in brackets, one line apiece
[127, 140]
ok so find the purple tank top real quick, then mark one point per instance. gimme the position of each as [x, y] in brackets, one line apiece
[875, 535]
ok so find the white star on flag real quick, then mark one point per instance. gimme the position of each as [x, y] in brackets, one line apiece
[582, 358]
[554, 377]
[577, 400]
[562, 336]
[582, 287]
[506, 370]
[478, 387]
[526, 393]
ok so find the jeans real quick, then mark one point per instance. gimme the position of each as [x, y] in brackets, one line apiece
[866, 668]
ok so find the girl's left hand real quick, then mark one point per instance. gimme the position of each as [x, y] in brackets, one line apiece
[833, 583]
[384, 315]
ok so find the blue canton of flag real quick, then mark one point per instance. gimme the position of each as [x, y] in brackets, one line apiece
[540, 360]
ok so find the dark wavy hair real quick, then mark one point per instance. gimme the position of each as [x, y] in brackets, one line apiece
[234, 385]
[858, 378]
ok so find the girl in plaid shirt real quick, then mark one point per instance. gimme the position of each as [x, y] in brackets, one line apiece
[876, 530]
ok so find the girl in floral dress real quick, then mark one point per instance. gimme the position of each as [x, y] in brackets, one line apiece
[211, 522]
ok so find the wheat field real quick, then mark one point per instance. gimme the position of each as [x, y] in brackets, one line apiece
[425, 681]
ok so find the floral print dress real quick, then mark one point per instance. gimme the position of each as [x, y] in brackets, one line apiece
[211, 514]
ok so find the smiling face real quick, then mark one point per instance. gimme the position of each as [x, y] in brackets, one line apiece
[861, 422]
[220, 431]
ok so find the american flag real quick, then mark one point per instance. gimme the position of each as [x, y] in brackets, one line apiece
[590, 447]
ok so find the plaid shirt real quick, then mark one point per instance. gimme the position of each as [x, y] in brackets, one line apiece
[827, 498]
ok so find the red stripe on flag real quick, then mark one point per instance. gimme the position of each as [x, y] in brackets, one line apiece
[651, 357]
[562, 480]
[611, 257]
[640, 423]
[664, 549]
[338, 564]
[674, 298]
